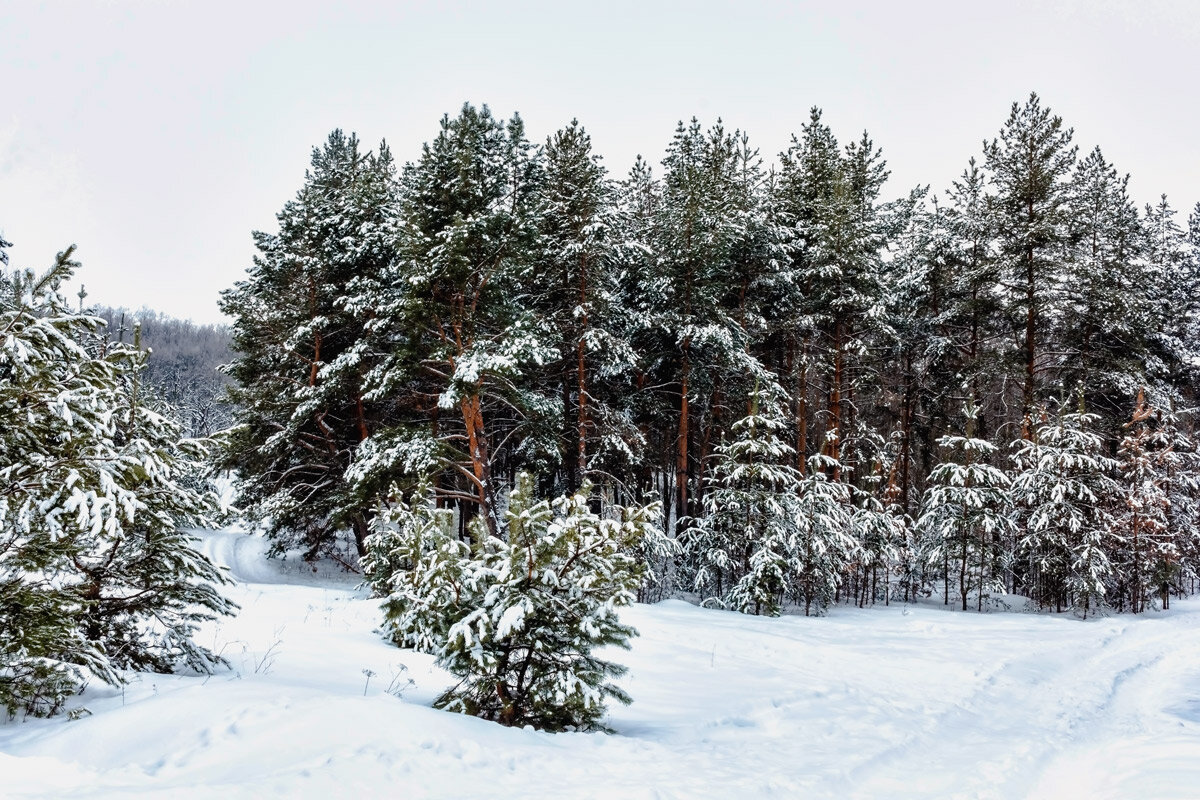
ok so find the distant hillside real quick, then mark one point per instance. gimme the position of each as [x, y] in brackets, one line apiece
[183, 365]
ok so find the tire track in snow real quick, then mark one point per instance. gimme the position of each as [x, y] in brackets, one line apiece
[1069, 699]
[245, 556]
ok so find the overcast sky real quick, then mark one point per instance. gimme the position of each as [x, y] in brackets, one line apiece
[158, 135]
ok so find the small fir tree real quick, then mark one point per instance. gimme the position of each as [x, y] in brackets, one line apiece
[1149, 556]
[824, 544]
[965, 512]
[1061, 489]
[518, 620]
[745, 546]
[882, 531]
[1181, 463]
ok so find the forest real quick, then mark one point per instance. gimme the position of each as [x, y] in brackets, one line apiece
[836, 397]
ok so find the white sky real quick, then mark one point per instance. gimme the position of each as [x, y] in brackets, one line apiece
[157, 135]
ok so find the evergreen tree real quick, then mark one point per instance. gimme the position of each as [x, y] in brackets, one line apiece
[518, 620]
[1061, 491]
[1106, 321]
[965, 515]
[1170, 287]
[460, 300]
[745, 546]
[698, 232]
[824, 543]
[417, 564]
[974, 300]
[882, 532]
[1030, 164]
[302, 355]
[95, 573]
[578, 275]
[829, 199]
[1181, 465]
[1148, 554]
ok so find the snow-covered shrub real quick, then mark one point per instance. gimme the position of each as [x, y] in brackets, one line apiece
[416, 563]
[95, 574]
[517, 620]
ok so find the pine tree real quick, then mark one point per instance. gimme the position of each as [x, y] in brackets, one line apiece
[745, 547]
[95, 484]
[965, 513]
[518, 621]
[302, 351]
[824, 544]
[578, 273]
[417, 564]
[1170, 287]
[974, 301]
[702, 238]
[1061, 492]
[1106, 321]
[460, 298]
[1031, 164]
[1181, 465]
[882, 532]
[1148, 555]
[829, 199]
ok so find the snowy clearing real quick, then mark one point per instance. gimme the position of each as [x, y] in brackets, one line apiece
[886, 702]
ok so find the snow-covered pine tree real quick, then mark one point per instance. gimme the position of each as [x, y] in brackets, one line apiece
[576, 289]
[882, 532]
[1061, 490]
[1181, 462]
[303, 350]
[830, 200]
[1147, 556]
[460, 304]
[1106, 320]
[95, 573]
[974, 319]
[744, 548]
[1030, 164]
[913, 352]
[417, 563]
[1187, 305]
[965, 515]
[824, 544]
[700, 344]
[641, 287]
[516, 621]
[1170, 285]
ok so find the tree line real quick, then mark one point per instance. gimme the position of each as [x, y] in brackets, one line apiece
[837, 397]
[184, 367]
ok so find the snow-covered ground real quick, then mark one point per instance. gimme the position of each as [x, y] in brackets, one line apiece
[896, 702]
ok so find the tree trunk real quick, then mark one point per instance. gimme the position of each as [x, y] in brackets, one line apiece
[581, 377]
[834, 440]
[480, 461]
[1028, 394]
[802, 410]
[681, 461]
